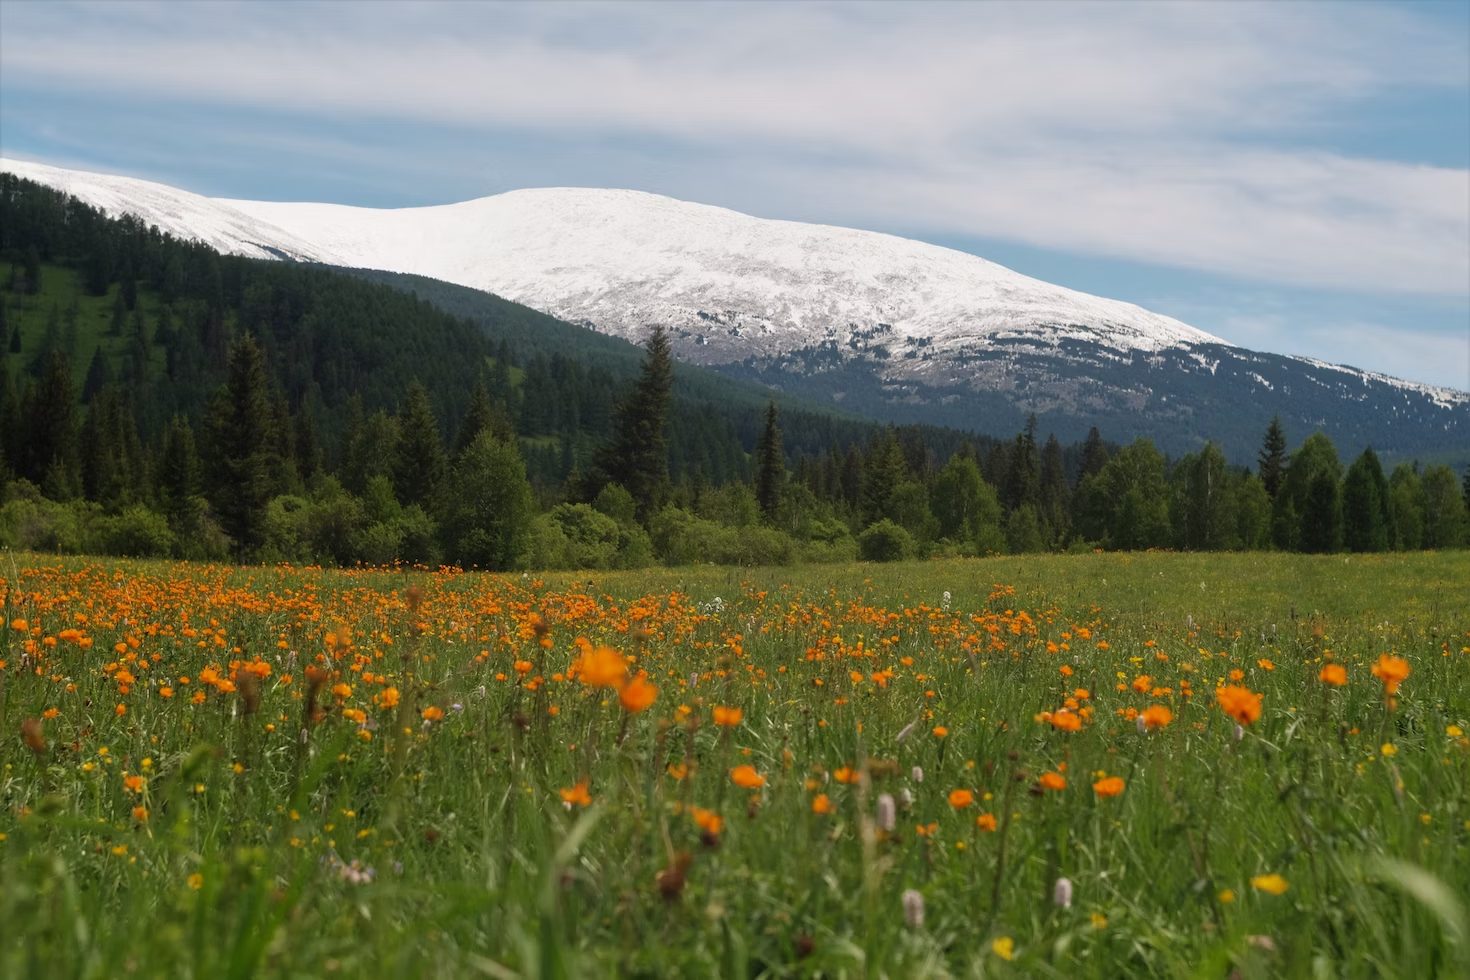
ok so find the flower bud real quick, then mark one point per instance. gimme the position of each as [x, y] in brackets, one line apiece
[913, 909]
[1061, 893]
[917, 774]
[887, 813]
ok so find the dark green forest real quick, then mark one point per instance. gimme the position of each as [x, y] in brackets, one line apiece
[157, 398]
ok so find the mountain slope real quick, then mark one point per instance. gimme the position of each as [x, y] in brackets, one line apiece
[882, 325]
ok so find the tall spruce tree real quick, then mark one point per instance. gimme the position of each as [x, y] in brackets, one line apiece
[637, 457]
[178, 469]
[1271, 461]
[51, 425]
[242, 446]
[1365, 522]
[1094, 454]
[770, 466]
[419, 465]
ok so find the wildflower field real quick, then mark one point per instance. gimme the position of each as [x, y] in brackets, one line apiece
[1095, 765]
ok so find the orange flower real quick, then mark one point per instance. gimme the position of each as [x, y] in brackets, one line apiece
[1334, 674]
[433, 713]
[822, 803]
[1065, 721]
[134, 784]
[845, 774]
[1391, 671]
[1052, 781]
[746, 777]
[678, 770]
[637, 695]
[727, 717]
[1156, 716]
[1109, 786]
[1240, 703]
[708, 820]
[987, 822]
[601, 666]
[388, 697]
[576, 795]
[940, 731]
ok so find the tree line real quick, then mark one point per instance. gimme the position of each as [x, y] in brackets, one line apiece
[261, 411]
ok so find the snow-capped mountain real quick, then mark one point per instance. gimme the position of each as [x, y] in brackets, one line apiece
[885, 325]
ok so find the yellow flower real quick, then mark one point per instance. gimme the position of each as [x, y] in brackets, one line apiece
[1004, 947]
[1389, 749]
[1226, 896]
[196, 881]
[1271, 884]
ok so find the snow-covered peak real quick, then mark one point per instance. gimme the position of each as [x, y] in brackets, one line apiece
[729, 286]
[623, 260]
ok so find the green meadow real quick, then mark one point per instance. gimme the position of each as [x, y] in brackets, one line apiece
[1093, 765]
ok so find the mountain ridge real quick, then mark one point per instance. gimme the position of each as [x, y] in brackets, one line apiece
[903, 328]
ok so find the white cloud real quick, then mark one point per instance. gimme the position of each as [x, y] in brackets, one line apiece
[1157, 132]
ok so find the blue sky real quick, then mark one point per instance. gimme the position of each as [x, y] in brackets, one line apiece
[1290, 176]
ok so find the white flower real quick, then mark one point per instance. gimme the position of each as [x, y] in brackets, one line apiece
[917, 774]
[1061, 893]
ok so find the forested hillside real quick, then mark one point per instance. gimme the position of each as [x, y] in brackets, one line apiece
[159, 398]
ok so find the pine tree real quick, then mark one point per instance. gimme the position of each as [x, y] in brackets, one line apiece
[178, 469]
[99, 375]
[637, 457]
[1271, 462]
[770, 473]
[477, 418]
[52, 431]
[1023, 479]
[1055, 504]
[883, 473]
[242, 447]
[419, 465]
[1094, 454]
[1365, 521]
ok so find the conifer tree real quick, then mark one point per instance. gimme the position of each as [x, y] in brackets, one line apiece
[637, 457]
[1055, 505]
[99, 375]
[1365, 523]
[1271, 461]
[178, 469]
[883, 472]
[1023, 478]
[242, 446]
[419, 465]
[1094, 454]
[52, 430]
[770, 473]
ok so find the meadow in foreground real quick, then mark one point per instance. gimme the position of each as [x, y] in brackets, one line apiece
[1094, 765]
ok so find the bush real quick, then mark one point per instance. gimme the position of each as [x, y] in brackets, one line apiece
[885, 541]
[136, 533]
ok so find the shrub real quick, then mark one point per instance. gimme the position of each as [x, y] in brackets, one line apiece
[885, 541]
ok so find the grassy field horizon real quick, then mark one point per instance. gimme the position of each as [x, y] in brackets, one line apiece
[1088, 765]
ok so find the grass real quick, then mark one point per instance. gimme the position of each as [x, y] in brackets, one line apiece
[291, 827]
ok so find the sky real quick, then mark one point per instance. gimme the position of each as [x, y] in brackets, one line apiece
[1290, 176]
